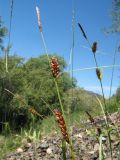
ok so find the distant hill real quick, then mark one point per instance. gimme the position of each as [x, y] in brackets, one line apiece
[79, 99]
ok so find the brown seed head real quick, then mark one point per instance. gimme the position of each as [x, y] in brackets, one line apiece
[94, 47]
[98, 73]
[54, 67]
[33, 111]
[61, 123]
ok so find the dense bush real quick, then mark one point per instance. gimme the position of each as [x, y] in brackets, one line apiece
[32, 80]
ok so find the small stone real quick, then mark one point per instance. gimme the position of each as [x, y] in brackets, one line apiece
[54, 142]
[78, 135]
[43, 146]
[103, 139]
[91, 152]
[49, 151]
[24, 141]
[19, 150]
[96, 147]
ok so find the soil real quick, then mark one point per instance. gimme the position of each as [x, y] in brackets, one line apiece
[86, 143]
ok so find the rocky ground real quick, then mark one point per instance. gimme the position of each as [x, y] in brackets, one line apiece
[85, 143]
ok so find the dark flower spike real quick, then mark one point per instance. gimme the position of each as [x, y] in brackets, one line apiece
[61, 123]
[79, 25]
[94, 47]
[99, 73]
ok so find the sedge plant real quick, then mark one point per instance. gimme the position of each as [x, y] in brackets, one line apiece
[99, 76]
[54, 66]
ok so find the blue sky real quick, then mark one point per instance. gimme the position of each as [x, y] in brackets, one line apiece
[56, 19]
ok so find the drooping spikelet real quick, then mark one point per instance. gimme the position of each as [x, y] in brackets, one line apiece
[54, 66]
[20, 99]
[94, 47]
[99, 73]
[38, 16]
[61, 123]
[33, 111]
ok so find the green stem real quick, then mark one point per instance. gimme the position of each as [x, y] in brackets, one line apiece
[61, 105]
[62, 109]
[64, 149]
[71, 148]
[105, 111]
[114, 58]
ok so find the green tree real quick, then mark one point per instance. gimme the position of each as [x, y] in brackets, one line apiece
[115, 14]
[12, 81]
[31, 79]
[40, 83]
[3, 32]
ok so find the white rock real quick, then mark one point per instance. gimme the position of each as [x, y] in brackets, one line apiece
[78, 135]
[91, 152]
[28, 145]
[19, 150]
[49, 151]
[103, 139]
[96, 147]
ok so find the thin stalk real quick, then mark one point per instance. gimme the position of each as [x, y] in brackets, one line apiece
[101, 155]
[45, 47]
[70, 142]
[6, 60]
[107, 126]
[94, 47]
[101, 85]
[105, 110]
[114, 59]
[72, 60]
[64, 149]
[61, 105]
[105, 106]
[102, 108]
[9, 37]
[59, 97]
[72, 65]
[47, 104]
